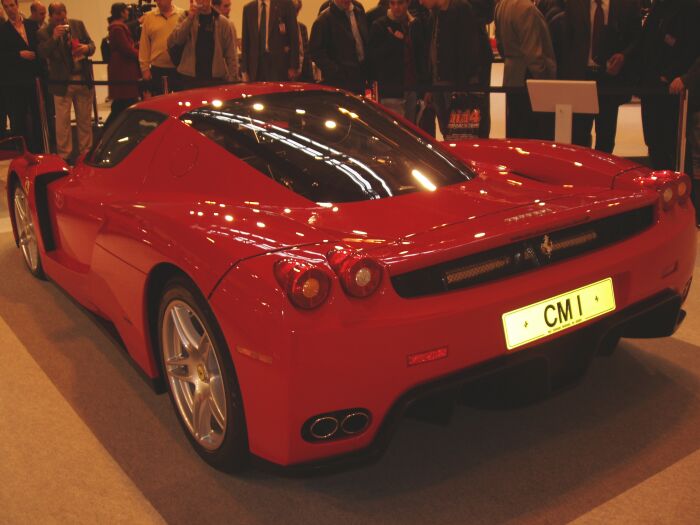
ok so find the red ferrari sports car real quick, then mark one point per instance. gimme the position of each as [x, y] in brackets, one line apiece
[299, 266]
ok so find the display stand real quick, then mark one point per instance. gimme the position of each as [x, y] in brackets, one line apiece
[563, 98]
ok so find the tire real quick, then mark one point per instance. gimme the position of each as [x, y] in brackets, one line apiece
[608, 345]
[26, 233]
[201, 379]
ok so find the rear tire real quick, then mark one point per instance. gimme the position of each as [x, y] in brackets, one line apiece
[201, 379]
[26, 233]
[608, 345]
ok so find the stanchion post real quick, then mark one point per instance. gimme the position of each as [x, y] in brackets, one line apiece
[682, 125]
[41, 104]
[95, 113]
[166, 89]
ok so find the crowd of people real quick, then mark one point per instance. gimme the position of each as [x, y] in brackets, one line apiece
[424, 54]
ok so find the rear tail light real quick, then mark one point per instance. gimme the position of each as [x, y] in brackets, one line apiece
[307, 286]
[673, 187]
[359, 275]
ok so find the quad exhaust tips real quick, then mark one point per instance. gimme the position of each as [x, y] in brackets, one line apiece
[336, 425]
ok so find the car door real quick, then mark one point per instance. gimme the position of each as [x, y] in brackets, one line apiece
[111, 172]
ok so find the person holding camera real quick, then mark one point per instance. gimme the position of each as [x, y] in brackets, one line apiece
[66, 45]
[208, 46]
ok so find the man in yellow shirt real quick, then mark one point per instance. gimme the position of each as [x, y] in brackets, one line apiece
[153, 48]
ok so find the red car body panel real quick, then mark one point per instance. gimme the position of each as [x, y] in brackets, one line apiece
[180, 200]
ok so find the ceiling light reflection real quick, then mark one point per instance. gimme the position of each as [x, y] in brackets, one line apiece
[423, 180]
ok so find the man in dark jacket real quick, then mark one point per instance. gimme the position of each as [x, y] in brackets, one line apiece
[555, 16]
[305, 72]
[18, 44]
[484, 12]
[668, 47]
[455, 53]
[338, 45]
[270, 46]
[398, 58]
[600, 36]
[66, 45]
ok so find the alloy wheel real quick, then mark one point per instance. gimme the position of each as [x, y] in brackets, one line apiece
[194, 374]
[25, 231]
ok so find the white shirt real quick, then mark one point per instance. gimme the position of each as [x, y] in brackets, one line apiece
[605, 4]
[266, 22]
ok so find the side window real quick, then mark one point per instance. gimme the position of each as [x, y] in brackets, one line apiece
[123, 136]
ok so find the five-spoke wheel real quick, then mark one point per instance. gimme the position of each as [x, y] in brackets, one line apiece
[194, 374]
[26, 233]
[200, 375]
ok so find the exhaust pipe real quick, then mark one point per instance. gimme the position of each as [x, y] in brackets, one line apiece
[324, 427]
[355, 422]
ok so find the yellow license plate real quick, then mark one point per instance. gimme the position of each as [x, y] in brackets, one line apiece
[562, 312]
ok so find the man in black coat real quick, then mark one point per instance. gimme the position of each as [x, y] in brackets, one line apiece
[338, 45]
[398, 57]
[667, 49]
[555, 16]
[484, 12]
[270, 44]
[18, 45]
[455, 53]
[600, 36]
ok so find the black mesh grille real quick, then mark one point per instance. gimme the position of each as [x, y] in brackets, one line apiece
[523, 255]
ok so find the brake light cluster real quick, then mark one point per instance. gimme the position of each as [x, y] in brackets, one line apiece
[359, 275]
[308, 285]
[673, 187]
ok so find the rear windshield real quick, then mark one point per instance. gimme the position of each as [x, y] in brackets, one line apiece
[327, 146]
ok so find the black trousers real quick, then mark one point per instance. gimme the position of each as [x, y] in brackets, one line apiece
[485, 124]
[195, 83]
[157, 74]
[3, 115]
[523, 123]
[23, 111]
[660, 125]
[118, 106]
[269, 71]
[605, 121]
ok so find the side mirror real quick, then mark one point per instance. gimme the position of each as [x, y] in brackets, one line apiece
[12, 148]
